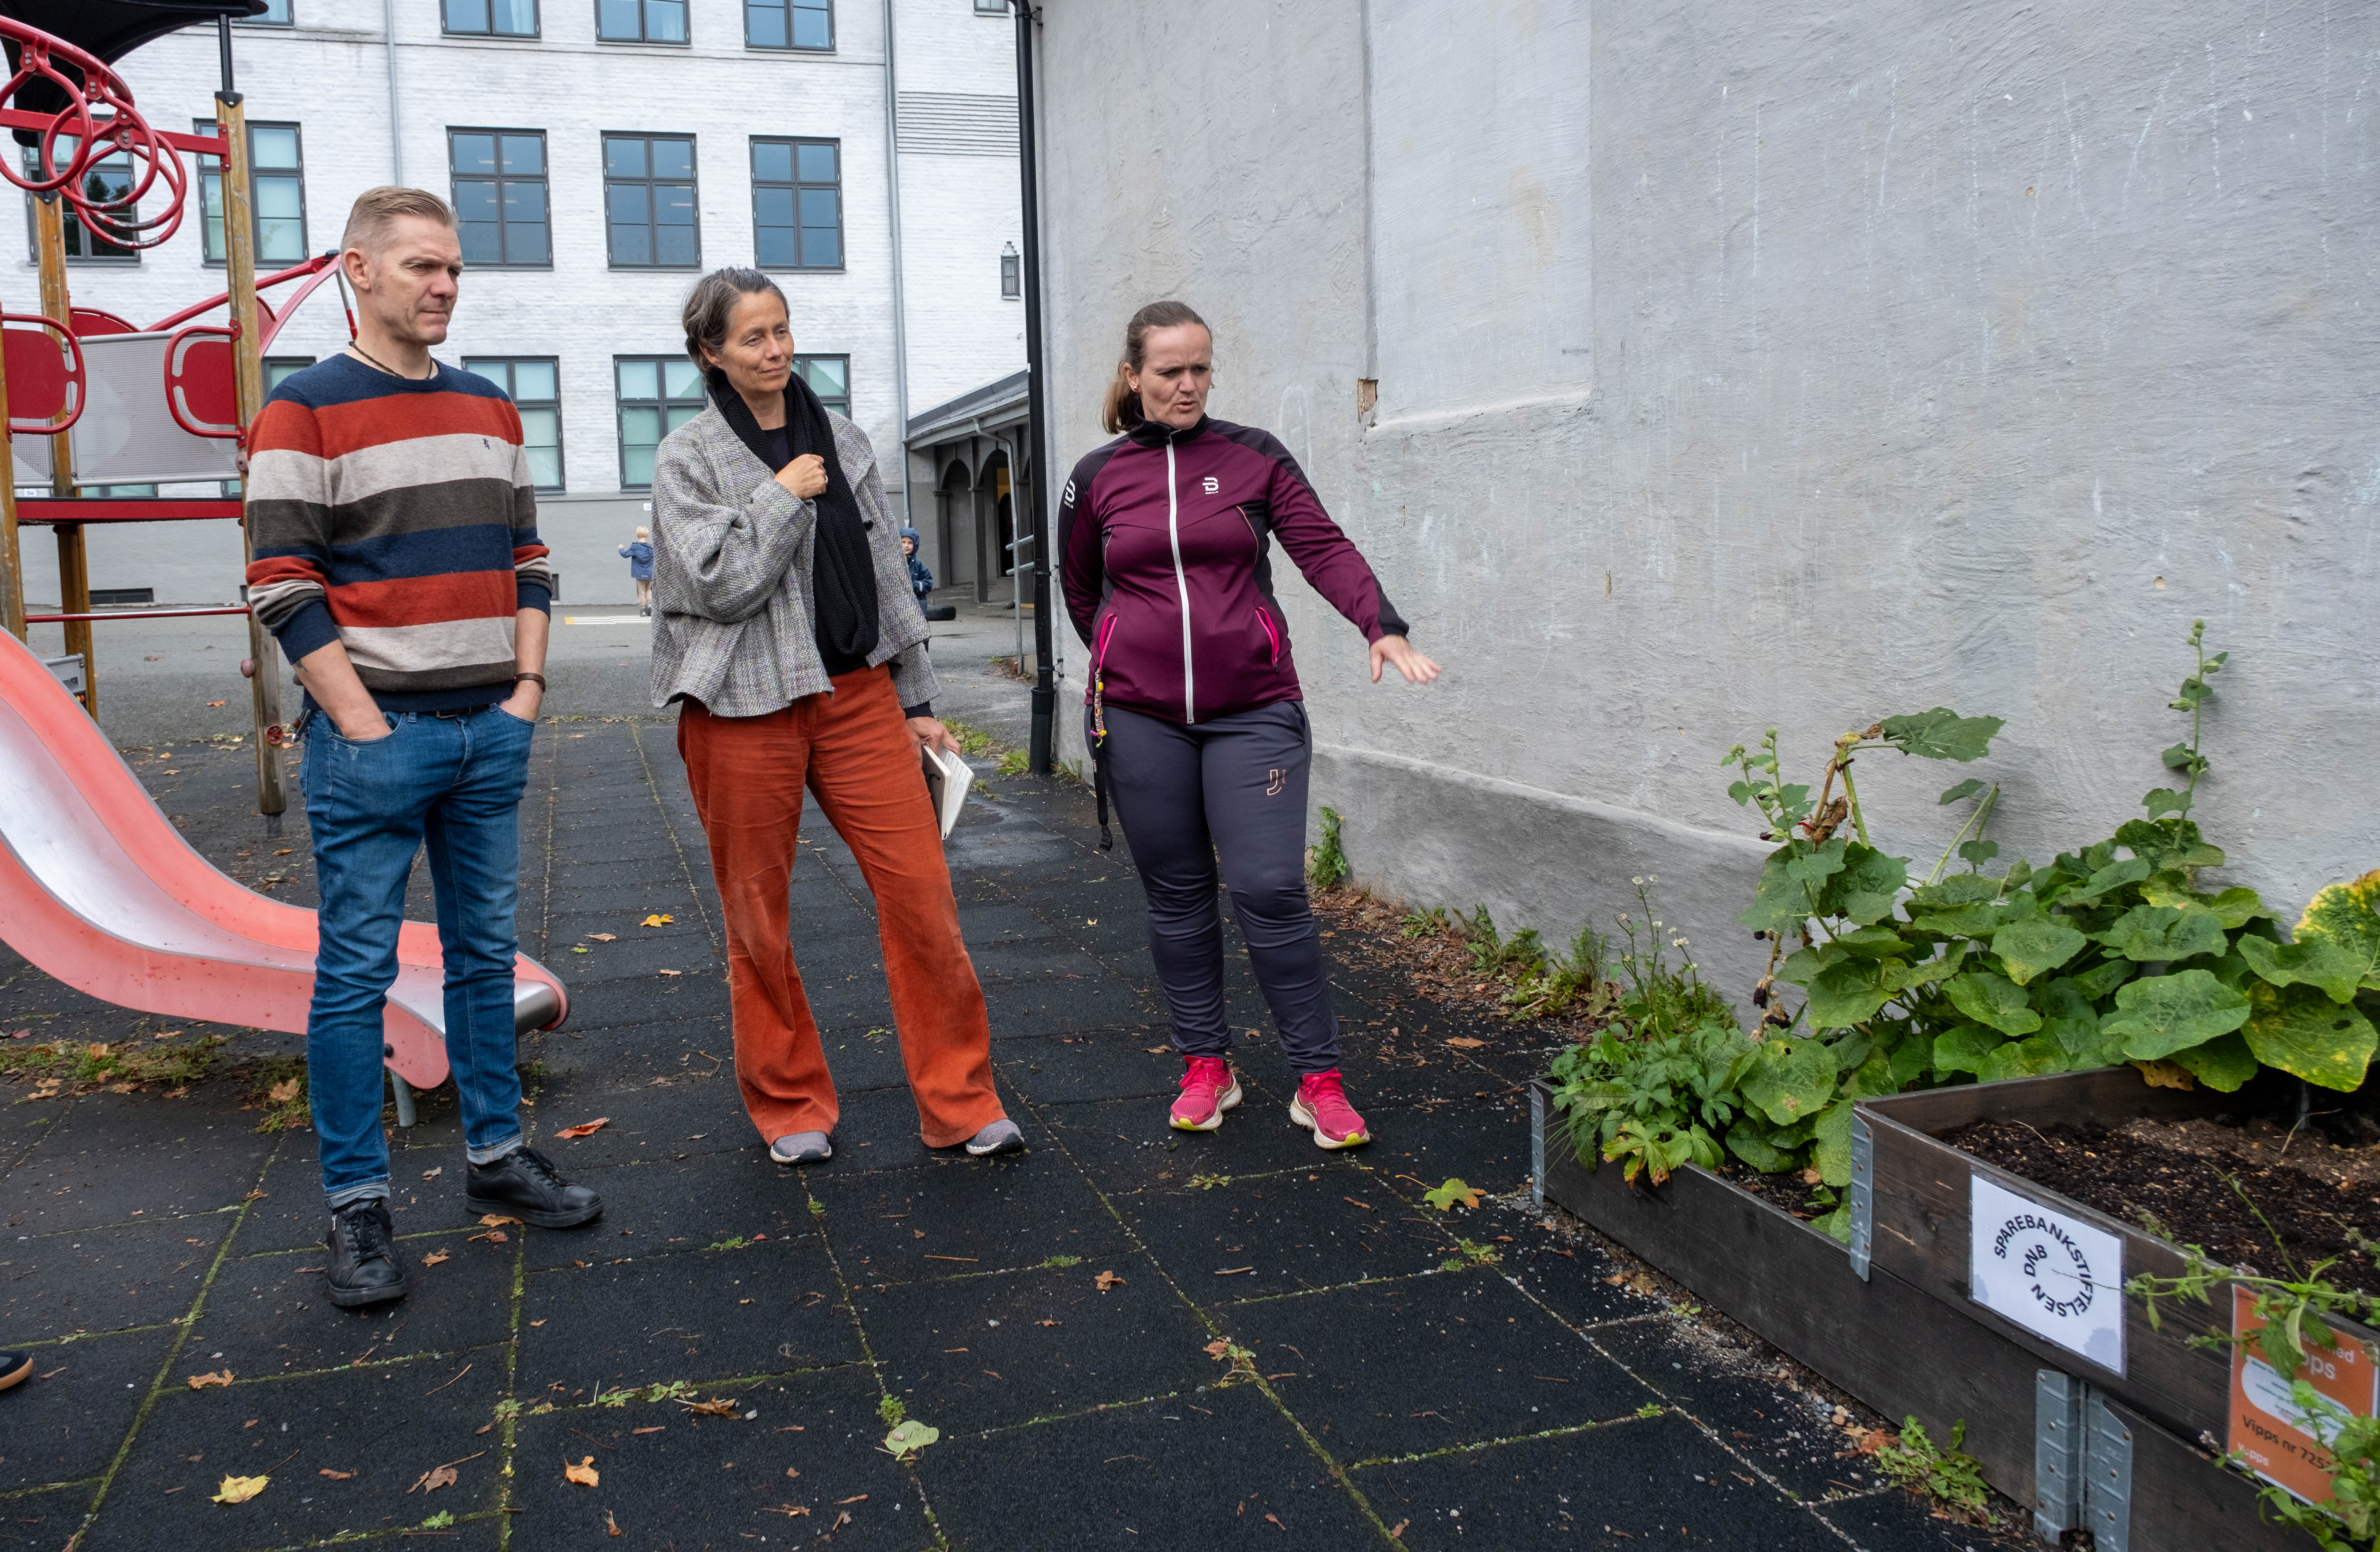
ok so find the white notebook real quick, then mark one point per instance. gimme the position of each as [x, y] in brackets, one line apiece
[947, 781]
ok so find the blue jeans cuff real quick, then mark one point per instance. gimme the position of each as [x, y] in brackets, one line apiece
[345, 1195]
[495, 1151]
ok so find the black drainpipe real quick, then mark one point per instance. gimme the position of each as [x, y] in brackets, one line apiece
[1045, 683]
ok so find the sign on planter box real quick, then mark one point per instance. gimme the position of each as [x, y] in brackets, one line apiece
[2280, 1442]
[2061, 1280]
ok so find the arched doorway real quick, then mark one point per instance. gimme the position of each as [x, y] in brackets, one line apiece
[997, 524]
[955, 515]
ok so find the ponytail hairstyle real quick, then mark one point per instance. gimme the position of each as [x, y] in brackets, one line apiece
[1122, 410]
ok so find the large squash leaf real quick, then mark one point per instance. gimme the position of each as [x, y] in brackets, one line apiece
[2222, 1064]
[2161, 1014]
[2302, 1031]
[1790, 1079]
[1993, 1000]
[2023, 1059]
[1832, 1154]
[1964, 1048]
[2317, 962]
[1942, 733]
[2149, 933]
[2069, 1018]
[2349, 916]
[2028, 949]
[1866, 886]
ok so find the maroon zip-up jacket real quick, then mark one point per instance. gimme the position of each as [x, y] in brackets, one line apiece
[1164, 544]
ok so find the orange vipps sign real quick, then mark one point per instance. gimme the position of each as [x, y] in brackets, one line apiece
[2275, 1437]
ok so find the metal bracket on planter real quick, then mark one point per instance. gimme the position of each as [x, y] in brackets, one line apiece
[2108, 1479]
[1863, 1195]
[2058, 1442]
[1536, 1146]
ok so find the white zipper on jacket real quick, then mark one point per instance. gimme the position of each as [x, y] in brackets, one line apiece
[1180, 582]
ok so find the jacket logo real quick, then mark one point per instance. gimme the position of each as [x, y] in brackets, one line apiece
[1070, 493]
[1274, 790]
[1210, 484]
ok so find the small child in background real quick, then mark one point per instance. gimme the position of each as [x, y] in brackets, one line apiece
[922, 580]
[639, 555]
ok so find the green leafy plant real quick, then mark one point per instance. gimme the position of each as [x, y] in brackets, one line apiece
[892, 1410]
[1577, 983]
[1949, 1476]
[2294, 1310]
[1326, 864]
[1431, 923]
[1455, 1192]
[2112, 953]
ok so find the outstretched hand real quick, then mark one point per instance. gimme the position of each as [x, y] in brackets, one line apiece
[1396, 650]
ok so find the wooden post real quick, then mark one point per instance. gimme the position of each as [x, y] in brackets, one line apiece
[74, 564]
[248, 358]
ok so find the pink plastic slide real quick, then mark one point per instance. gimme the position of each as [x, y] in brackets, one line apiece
[100, 890]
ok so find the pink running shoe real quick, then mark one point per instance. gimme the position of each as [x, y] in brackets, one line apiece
[1321, 1105]
[1207, 1090]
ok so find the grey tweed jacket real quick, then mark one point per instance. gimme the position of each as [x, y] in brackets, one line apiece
[732, 617]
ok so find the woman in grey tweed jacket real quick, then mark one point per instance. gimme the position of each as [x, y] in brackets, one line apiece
[787, 635]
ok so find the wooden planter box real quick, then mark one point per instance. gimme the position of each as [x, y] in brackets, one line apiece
[2042, 1437]
[1921, 1189]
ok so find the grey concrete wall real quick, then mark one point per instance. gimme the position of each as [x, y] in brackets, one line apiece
[1741, 367]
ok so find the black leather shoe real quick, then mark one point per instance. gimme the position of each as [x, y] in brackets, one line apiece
[364, 1265]
[14, 1367]
[524, 1184]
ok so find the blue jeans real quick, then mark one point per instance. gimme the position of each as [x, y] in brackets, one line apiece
[454, 783]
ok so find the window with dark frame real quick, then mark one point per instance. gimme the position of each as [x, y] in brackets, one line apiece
[797, 205]
[640, 21]
[790, 24]
[500, 197]
[1012, 272]
[277, 14]
[533, 383]
[656, 394]
[276, 194]
[992, 8]
[649, 204]
[830, 379]
[110, 179]
[489, 19]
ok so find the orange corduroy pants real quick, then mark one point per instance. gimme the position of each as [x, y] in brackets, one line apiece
[851, 750]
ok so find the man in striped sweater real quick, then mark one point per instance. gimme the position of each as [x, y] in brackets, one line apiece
[397, 561]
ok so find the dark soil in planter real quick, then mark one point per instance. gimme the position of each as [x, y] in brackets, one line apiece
[1787, 1189]
[2186, 1183]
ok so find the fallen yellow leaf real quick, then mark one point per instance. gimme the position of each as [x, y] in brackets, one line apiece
[718, 1406]
[613, 1524]
[201, 1381]
[584, 1472]
[657, 920]
[495, 1220]
[1464, 1042]
[282, 1093]
[239, 1490]
[1106, 1280]
[672, 972]
[337, 1476]
[602, 936]
[435, 1257]
[585, 1129]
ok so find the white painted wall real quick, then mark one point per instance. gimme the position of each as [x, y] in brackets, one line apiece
[1925, 355]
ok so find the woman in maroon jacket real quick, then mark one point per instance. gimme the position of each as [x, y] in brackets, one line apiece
[1195, 713]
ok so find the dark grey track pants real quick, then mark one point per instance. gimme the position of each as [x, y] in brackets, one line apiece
[1233, 786]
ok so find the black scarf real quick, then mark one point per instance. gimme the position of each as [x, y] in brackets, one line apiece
[842, 567]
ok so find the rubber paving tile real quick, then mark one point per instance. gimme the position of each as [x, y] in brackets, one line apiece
[1280, 1234]
[591, 965]
[698, 1316]
[1224, 1469]
[268, 1313]
[877, 1129]
[1655, 1482]
[1127, 1144]
[1065, 1005]
[973, 1353]
[698, 1481]
[46, 1521]
[1485, 1145]
[1899, 1521]
[387, 1424]
[1115, 1064]
[1031, 958]
[864, 1057]
[908, 1225]
[291, 1216]
[1002, 923]
[1785, 1432]
[1484, 1362]
[657, 999]
[65, 1422]
[105, 1280]
[192, 1160]
[697, 1112]
[1572, 1277]
[666, 1205]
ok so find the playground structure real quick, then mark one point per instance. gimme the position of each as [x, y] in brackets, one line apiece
[97, 888]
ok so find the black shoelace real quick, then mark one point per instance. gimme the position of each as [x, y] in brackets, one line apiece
[366, 1235]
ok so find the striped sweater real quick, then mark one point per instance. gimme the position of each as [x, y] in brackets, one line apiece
[397, 518]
